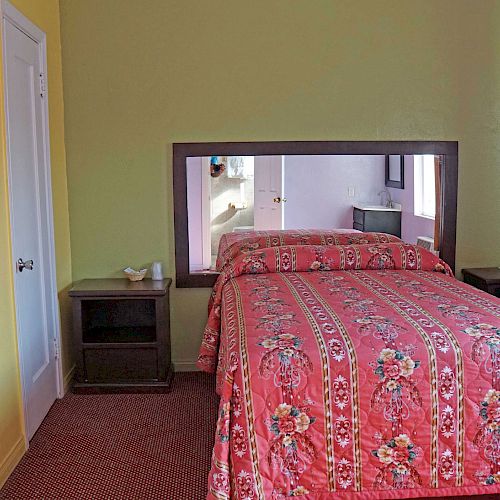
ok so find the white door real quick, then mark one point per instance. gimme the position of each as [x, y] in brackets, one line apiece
[268, 192]
[31, 223]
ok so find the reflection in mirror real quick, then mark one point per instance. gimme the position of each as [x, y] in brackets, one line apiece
[244, 193]
[395, 168]
[394, 171]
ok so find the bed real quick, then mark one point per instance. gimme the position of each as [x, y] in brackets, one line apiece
[350, 367]
[233, 244]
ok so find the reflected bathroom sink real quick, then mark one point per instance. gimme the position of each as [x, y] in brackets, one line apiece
[381, 208]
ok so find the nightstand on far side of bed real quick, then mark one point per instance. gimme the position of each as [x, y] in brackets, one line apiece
[484, 278]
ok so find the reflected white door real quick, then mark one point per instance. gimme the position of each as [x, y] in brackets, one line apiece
[30, 205]
[268, 192]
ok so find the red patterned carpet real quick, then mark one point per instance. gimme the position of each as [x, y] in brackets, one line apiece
[126, 447]
[130, 446]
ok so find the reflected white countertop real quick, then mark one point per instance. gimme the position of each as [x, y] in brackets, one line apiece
[378, 208]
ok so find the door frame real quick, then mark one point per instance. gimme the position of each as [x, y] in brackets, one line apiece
[206, 213]
[10, 14]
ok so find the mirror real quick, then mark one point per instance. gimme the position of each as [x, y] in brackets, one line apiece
[245, 193]
[225, 189]
[395, 171]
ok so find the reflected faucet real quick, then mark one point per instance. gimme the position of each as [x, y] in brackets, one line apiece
[385, 193]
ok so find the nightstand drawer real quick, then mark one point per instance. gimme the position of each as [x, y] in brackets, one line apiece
[120, 365]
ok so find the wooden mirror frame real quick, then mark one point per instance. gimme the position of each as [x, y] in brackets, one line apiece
[181, 151]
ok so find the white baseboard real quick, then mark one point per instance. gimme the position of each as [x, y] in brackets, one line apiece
[11, 460]
[68, 378]
[185, 366]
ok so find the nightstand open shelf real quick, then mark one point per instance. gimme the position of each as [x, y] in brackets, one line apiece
[122, 335]
[119, 334]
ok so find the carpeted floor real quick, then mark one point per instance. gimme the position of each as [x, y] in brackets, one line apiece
[125, 447]
[130, 446]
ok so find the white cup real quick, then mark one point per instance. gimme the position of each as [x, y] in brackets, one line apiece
[156, 272]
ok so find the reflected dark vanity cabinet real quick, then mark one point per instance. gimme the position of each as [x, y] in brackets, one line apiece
[382, 221]
[122, 335]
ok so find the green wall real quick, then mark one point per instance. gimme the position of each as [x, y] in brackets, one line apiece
[139, 76]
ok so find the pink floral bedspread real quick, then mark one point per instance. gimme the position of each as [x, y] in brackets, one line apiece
[352, 372]
[233, 244]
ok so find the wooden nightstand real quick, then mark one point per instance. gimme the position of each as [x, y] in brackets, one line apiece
[485, 278]
[122, 335]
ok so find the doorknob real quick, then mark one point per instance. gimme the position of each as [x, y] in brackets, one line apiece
[278, 199]
[21, 265]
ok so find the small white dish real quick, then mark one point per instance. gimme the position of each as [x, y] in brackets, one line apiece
[134, 275]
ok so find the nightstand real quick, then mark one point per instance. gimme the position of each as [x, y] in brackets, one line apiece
[484, 278]
[122, 335]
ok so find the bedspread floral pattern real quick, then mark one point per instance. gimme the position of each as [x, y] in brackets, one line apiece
[397, 456]
[395, 369]
[234, 244]
[373, 379]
